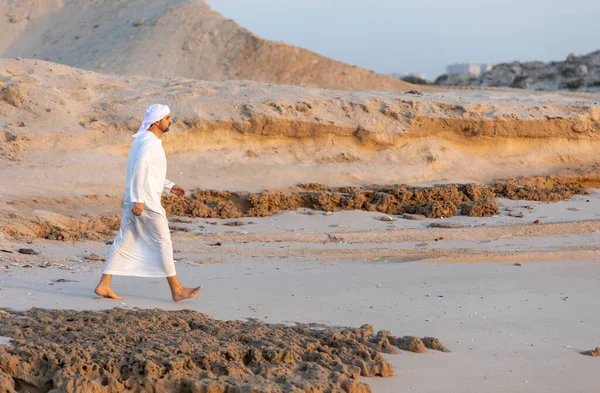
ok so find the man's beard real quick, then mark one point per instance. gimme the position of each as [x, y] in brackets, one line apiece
[166, 129]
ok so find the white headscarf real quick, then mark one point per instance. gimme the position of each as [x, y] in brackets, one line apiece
[154, 113]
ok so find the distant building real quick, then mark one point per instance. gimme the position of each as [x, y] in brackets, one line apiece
[463, 69]
[485, 68]
[468, 69]
[400, 75]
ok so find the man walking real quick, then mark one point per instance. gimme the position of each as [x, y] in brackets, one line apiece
[143, 245]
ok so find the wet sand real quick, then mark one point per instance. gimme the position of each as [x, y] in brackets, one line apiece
[511, 328]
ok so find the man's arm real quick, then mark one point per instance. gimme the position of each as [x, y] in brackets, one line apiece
[138, 180]
[168, 186]
[173, 188]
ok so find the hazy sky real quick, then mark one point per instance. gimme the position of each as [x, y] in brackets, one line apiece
[424, 35]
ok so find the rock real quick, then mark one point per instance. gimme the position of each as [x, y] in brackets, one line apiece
[234, 224]
[216, 356]
[536, 222]
[434, 343]
[27, 251]
[575, 73]
[94, 257]
[251, 154]
[139, 22]
[15, 19]
[581, 70]
[328, 213]
[408, 216]
[409, 343]
[446, 225]
[517, 264]
[303, 107]
[440, 201]
[386, 218]
[415, 92]
[14, 95]
[479, 208]
[438, 209]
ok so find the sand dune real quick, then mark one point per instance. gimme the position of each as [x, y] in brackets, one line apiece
[288, 134]
[183, 38]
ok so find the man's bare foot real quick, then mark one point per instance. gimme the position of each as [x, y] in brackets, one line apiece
[107, 292]
[186, 293]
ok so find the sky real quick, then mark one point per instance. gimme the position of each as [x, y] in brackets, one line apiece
[423, 36]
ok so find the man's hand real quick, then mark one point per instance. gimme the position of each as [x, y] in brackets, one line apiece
[138, 208]
[178, 190]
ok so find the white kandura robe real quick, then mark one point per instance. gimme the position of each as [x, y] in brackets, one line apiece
[143, 245]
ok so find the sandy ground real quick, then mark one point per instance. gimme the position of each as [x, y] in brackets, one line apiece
[510, 327]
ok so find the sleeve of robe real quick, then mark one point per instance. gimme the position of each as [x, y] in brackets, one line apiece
[140, 173]
[168, 185]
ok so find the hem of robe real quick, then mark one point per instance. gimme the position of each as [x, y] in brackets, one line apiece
[150, 275]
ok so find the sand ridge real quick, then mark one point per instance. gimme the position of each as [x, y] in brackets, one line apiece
[440, 201]
[257, 137]
[90, 217]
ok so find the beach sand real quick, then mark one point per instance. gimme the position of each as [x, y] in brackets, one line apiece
[514, 301]
[513, 293]
[509, 328]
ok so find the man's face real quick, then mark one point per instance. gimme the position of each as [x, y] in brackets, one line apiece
[164, 123]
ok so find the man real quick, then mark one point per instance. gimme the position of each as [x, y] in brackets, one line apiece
[143, 245]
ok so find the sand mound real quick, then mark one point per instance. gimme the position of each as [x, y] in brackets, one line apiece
[166, 38]
[175, 351]
[225, 133]
[433, 202]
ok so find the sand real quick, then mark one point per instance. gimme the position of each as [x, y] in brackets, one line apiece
[159, 38]
[247, 136]
[309, 206]
[508, 329]
[510, 298]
